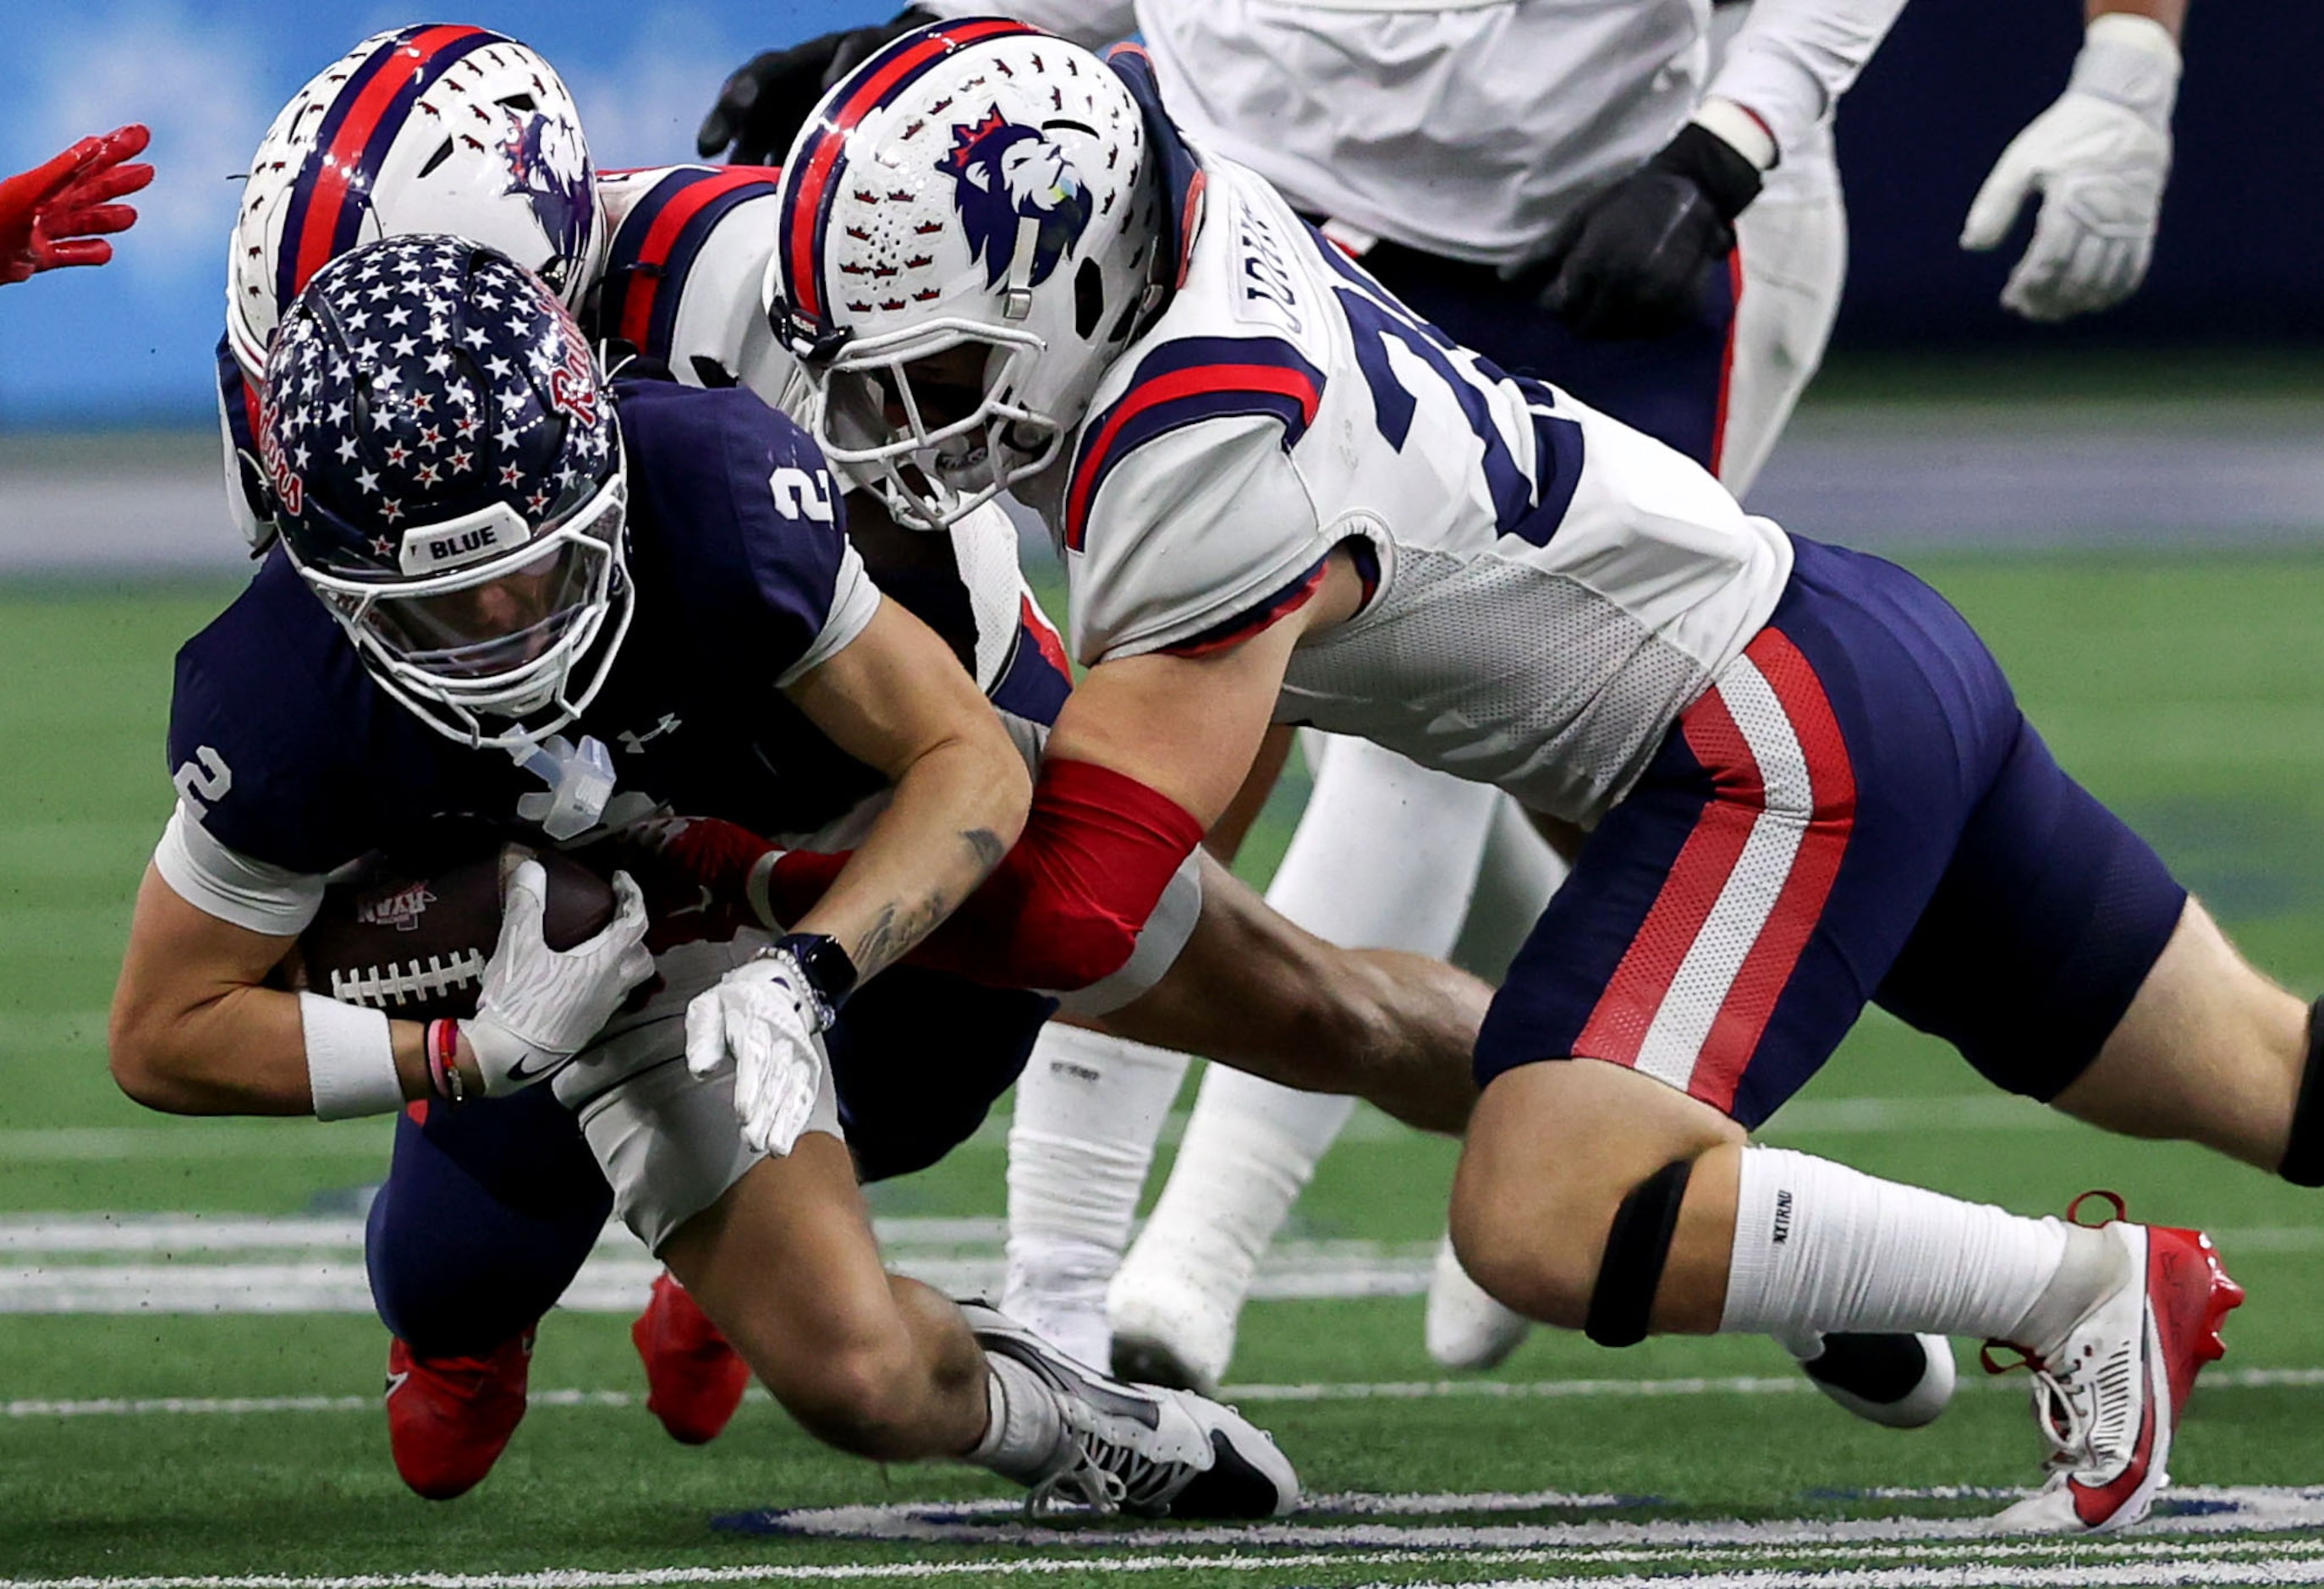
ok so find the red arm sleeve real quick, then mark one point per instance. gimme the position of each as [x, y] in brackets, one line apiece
[1063, 909]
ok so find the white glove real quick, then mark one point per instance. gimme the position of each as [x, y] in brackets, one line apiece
[540, 1006]
[764, 1016]
[2098, 157]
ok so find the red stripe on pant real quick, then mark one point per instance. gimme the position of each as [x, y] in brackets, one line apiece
[1750, 1002]
[1618, 1024]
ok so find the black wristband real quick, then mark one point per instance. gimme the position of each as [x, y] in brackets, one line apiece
[827, 967]
[1727, 178]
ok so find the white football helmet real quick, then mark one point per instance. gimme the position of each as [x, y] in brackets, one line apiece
[976, 185]
[430, 128]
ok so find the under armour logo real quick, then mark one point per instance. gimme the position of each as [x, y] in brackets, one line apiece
[636, 743]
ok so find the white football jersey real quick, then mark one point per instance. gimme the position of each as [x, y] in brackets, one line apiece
[683, 285]
[1467, 128]
[1552, 587]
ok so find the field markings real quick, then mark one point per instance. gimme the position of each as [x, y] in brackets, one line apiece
[2065, 1564]
[2197, 1509]
[2244, 1379]
[181, 1263]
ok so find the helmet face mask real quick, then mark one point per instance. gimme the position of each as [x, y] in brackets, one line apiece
[976, 184]
[455, 497]
[482, 652]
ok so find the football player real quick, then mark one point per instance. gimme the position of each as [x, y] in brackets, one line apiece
[669, 263]
[1501, 174]
[60, 213]
[1804, 782]
[487, 549]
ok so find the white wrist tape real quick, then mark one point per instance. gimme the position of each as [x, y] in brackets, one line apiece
[350, 1059]
[2132, 62]
[1742, 132]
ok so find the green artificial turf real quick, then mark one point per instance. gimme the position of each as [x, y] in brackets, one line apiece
[2184, 690]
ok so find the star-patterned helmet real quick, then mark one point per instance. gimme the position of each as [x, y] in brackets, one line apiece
[977, 191]
[449, 472]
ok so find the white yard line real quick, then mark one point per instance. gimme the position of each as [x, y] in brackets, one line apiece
[178, 1263]
[1915, 1567]
[2246, 1379]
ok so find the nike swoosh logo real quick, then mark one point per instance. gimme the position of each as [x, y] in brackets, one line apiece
[520, 1072]
[395, 1383]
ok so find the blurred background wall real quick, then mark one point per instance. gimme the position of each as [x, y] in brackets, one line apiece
[2243, 232]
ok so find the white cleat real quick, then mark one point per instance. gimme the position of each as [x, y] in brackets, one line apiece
[1170, 1328]
[1903, 1382]
[1467, 1329]
[1141, 1449]
[2106, 1397]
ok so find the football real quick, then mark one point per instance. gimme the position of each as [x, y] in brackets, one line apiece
[412, 938]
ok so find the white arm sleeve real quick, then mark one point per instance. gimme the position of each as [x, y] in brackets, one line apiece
[1090, 23]
[231, 886]
[1794, 60]
[853, 599]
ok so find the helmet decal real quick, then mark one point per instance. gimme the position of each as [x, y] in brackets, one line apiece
[1004, 171]
[551, 166]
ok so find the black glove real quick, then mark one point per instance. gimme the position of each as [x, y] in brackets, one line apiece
[762, 106]
[1631, 263]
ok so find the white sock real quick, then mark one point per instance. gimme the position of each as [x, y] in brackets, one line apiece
[1384, 856]
[1821, 1247]
[1024, 1425]
[1089, 1109]
[1248, 1150]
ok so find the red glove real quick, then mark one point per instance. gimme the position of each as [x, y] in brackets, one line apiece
[697, 873]
[57, 214]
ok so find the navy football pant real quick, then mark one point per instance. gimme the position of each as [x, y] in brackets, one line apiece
[1855, 811]
[1673, 388]
[489, 1209]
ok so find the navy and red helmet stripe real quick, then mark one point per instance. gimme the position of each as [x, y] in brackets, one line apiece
[325, 215]
[656, 246]
[811, 178]
[1183, 383]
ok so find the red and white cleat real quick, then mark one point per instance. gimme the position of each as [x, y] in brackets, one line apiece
[693, 1379]
[2107, 1396]
[449, 1418]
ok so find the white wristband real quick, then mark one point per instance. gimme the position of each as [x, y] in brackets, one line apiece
[1741, 131]
[350, 1059]
[2131, 60]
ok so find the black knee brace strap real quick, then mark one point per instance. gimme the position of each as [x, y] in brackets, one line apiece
[1636, 1247]
[2303, 1151]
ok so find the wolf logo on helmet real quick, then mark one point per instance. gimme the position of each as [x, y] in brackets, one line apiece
[548, 164]
[1005, 173]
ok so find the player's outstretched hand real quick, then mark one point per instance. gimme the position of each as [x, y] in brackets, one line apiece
[704, 877]
[1632, 262]
[540, 1006]
[2099, 158]
[764, 104]
[763, 1018]
[60, 214]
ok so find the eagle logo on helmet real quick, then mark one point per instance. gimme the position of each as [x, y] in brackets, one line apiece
[547, 165]
[1003, 172]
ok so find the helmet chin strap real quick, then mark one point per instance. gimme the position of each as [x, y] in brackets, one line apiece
[1017, 291]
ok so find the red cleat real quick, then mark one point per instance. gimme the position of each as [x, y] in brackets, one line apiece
[2108, 1395]
[449, 1418]
[693, 1379]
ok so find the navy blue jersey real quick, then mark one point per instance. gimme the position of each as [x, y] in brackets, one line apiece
[289, 753]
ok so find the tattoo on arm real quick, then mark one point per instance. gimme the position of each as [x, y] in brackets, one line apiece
[899, 927]
[986, 846]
